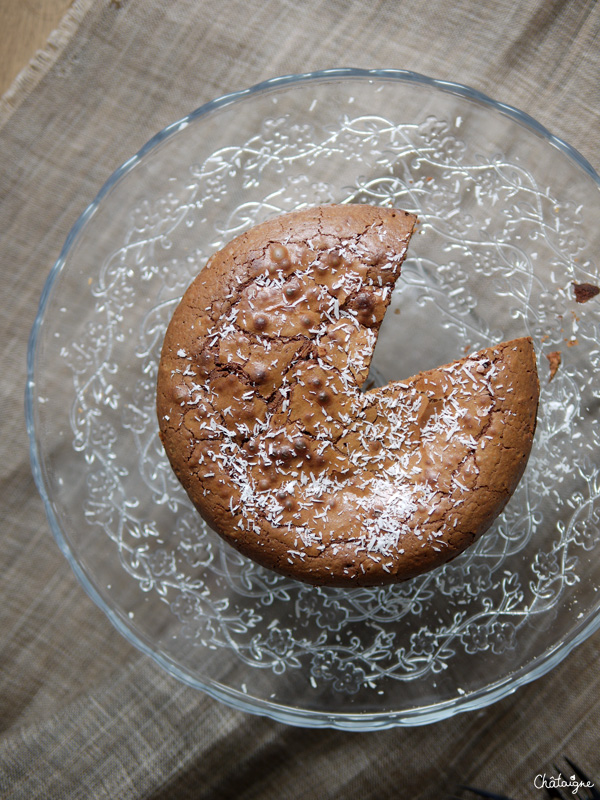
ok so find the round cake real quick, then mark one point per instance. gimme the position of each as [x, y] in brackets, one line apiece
[265, 424]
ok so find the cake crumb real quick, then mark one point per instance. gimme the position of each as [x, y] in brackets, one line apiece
[585, 291]
[554, 359]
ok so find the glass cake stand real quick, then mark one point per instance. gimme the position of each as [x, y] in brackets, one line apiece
[508, 222]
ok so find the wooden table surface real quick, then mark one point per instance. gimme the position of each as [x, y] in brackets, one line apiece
[24, 28]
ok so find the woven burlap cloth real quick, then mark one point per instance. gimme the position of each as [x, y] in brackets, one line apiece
[83, 714]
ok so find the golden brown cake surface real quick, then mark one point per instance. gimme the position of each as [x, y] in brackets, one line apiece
[263, 419]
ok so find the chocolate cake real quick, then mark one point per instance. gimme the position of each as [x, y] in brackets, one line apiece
[263, 419]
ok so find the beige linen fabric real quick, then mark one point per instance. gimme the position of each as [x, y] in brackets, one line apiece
[82, 713]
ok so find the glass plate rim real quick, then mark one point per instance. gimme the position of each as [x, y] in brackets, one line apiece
[366, 721]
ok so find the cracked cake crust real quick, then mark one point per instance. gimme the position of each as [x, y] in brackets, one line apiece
[263, 419]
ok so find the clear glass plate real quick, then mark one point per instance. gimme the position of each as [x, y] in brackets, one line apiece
[508, 221]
